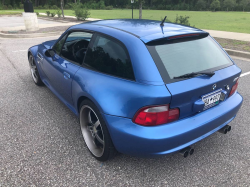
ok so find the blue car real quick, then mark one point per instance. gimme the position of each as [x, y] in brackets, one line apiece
[140, 87]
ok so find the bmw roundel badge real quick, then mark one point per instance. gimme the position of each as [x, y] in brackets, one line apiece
[214, 87]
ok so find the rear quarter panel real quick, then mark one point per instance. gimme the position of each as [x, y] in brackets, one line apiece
[116, 96]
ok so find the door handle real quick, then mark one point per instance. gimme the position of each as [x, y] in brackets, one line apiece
[66, 75]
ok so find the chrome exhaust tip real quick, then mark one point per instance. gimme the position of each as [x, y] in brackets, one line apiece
[191, 151]
[186, 151]
[225, 130]
[229, 128]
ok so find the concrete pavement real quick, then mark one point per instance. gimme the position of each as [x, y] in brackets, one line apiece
[230, 35]
[11, 23]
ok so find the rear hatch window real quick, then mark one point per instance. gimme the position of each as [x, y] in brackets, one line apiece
[178, 57]
[182, 56]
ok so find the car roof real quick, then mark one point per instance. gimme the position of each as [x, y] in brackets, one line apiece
[147, 30]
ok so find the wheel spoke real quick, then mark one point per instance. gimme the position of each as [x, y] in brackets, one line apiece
[31, 61]
[33, 69]
[92, 131]
[97, 123]
[35, 75]
[89, 118]
[98, 138]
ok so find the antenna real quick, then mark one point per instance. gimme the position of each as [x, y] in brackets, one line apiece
[162, 23]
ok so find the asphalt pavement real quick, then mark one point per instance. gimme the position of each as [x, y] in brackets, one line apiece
[41, 143]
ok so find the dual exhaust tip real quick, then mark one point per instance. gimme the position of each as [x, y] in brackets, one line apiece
[189, 150]
[225, 129]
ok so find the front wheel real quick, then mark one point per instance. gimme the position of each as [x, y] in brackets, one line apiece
[34, 71]
[95, 132]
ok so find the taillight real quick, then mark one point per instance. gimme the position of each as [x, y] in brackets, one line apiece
[234, 88]
[156, 115]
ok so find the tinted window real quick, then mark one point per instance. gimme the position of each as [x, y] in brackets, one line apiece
[109, 56]
[191, 56]
[57, 48]
[75, 46]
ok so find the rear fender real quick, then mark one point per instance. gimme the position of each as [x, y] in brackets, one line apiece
[116, 96]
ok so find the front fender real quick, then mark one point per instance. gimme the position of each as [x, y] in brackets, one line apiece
[33, 50]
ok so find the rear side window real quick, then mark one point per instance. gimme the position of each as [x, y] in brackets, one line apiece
[109, 56]
[189, 56]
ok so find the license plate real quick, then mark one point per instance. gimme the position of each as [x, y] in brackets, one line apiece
[211, 99]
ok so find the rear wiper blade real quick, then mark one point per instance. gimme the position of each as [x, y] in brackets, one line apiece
[188, 75]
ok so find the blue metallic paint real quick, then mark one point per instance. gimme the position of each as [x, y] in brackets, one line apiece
[119, 99]
[132, 139]
[60, 73]
[48, 44]
[148, 30]
[116, 96]
[185, 93]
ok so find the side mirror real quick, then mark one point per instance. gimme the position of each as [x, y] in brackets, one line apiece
[50, 53]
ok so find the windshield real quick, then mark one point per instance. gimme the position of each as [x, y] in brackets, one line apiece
[188, 56]
[79, 36]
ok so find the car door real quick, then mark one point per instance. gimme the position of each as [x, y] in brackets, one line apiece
[61, 68]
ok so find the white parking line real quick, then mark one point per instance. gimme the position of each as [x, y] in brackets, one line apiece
[19, 51]
[244, 74]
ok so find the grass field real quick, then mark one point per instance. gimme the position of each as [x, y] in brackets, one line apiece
[224, 21]
[9, 12]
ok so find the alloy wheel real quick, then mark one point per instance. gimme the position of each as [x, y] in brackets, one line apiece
[33, 69]
[92, 131]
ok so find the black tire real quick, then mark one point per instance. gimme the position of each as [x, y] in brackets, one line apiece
[34, 71]
[108, 150]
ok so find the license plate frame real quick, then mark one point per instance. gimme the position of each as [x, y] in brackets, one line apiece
[211, 99]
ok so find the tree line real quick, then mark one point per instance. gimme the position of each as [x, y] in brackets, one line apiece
[193, 5]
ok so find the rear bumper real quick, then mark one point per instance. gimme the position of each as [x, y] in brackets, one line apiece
[133, 139]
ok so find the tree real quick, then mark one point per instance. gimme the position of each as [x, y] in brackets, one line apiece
[229, 4]
[244, 3]
[62, 3]
[140, 9]
[215, 5]
[201, 4]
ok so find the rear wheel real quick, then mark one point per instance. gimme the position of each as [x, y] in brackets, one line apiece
[34, 71]
[95, 132]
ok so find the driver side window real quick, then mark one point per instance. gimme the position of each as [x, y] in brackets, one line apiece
[75, 46]
[58, 46]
